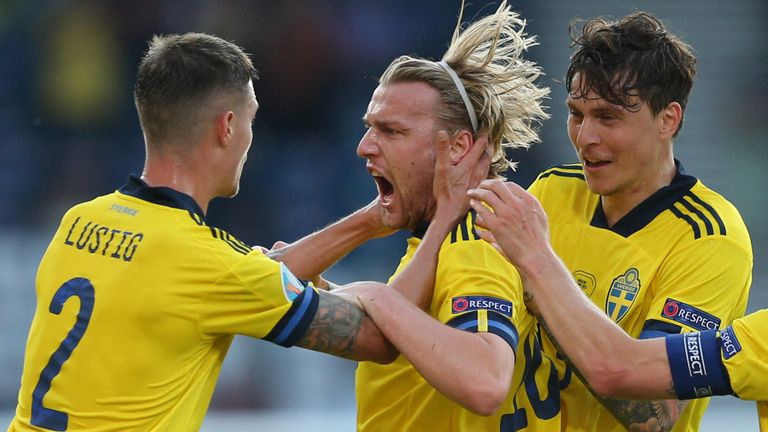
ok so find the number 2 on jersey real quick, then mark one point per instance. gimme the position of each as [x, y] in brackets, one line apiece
[46, 417]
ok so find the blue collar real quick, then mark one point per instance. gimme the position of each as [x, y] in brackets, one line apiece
[646, 211]
[162, 195]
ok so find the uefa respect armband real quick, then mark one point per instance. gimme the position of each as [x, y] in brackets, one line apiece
[694, 360]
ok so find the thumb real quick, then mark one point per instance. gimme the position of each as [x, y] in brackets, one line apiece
[279, 245]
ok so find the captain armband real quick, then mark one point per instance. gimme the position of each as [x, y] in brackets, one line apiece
[697, 370]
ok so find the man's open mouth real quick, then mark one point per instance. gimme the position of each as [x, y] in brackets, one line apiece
[385, 188]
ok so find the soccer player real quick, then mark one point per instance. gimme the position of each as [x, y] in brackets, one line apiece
[138, 298]
[464, 355]
[733, 360]
[653, 247]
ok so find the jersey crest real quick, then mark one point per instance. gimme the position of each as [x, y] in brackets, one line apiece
[585, 281]
[622, 294]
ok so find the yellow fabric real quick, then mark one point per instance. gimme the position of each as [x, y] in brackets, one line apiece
[395, 397]
[169, 293]
[632, 277]
[747, 367]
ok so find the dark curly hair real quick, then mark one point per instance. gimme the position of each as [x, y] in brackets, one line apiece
[630, 62]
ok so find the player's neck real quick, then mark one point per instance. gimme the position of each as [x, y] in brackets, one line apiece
[616, 205]
[184, 176]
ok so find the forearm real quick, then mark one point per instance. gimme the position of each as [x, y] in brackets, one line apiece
[309, 256]
[660, 415]
[613, 363]
[443, 355]
[341, 328]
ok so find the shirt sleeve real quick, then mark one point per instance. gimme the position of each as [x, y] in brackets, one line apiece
[477, 290]
[745, 355]
[720, 362]
[702, 286]
[261, 298]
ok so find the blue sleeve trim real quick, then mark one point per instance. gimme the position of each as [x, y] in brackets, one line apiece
[498, 324]
[694, 360]
[656, 328]
[295, 322]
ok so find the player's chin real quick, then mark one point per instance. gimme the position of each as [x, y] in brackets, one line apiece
[394, 218]
[232, 191]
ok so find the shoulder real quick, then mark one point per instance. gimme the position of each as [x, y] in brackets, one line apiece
[566, 179]
[464, 250]
[563, 171]
[710, 215]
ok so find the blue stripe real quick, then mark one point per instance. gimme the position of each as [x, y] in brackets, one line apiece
[473, 213]
[711, 210]
[694, 225]
[498, 324]
[506, 332]
[469, 325]
[293, 325]
[697, 212]
[562, 174]
[296, 317]
[464, 230]
[461, 320]
[657, 328]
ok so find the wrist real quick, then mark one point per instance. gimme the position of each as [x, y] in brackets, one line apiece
[448, 214]
[371, 296]
[537, 263]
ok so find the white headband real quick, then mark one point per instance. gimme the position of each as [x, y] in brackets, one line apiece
[463, 93]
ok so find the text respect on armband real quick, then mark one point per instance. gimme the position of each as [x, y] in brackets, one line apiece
[103, 240]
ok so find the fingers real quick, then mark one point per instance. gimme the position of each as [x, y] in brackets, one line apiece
[279, 245]
[505, 191]
[482, 142]
[486, 235]
[443, 149]
[485, 215]
[479, 150]
[261, 248]
[485, 195]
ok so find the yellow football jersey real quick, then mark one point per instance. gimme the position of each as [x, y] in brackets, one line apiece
[720, 362]
[137, 303]
[476, 290]
[745, 357]
[680, 261]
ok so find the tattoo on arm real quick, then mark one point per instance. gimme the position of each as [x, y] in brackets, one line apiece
[646, 415]
[651, 416]
[335, 328]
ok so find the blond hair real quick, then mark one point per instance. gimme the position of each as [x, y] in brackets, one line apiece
[500, 83]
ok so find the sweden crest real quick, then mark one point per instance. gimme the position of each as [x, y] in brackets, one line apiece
[622, 294]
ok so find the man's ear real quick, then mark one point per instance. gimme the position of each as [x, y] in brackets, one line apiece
[459, 145]
[671, 116]
[223, 127]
